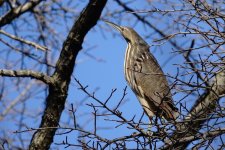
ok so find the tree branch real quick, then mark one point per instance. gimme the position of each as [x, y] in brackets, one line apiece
[27, 73]
[203, 108]
[42, 139]
[37, 46]
[208, 134]
[16, 12]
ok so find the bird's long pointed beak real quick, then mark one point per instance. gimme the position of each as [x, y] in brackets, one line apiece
[114, 25]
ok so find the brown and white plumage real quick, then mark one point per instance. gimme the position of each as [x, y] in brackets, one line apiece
[145, 76]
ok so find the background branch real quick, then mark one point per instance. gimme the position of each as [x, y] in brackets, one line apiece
[16, 12]
[200, 113]
[27, 73]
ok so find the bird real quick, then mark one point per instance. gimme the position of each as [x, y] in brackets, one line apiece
[145, 76]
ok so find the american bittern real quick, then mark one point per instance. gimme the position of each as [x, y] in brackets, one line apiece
[145, 76]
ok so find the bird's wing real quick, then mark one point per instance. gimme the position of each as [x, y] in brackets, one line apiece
[153, 85]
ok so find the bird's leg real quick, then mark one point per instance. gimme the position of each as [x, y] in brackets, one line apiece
[163, 122]
[149, 129]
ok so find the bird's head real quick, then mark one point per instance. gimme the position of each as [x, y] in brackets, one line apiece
[128, 33]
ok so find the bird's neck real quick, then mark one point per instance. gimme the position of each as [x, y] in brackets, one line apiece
[133, 50]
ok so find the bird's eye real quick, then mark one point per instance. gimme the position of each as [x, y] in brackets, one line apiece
[122, 29]
[128, 40]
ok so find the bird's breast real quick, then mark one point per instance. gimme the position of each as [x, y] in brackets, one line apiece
[131, 67]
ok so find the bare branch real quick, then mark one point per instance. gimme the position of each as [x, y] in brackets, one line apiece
[27, 73]
[16, 12]
[16, 101]
[208, 134]
[203, 108]
[35, 45]
[42, 139]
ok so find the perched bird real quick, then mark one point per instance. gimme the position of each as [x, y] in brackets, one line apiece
[145, 76]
